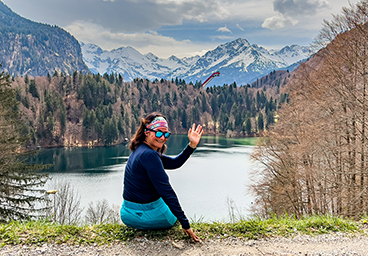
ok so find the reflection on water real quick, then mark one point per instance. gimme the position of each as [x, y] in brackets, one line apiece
[218, 170]
[74, 160]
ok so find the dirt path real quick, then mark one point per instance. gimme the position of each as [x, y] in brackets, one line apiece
[334, 244]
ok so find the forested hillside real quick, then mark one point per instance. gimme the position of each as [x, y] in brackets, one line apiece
[316, 158]
[32, 48]
[274, 79]
[88, 110]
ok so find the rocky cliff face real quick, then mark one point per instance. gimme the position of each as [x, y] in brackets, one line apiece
[35, 49]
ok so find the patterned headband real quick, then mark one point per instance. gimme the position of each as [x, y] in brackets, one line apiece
[158, 122]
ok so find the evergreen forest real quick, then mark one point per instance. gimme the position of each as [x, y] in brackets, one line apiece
[89, 110]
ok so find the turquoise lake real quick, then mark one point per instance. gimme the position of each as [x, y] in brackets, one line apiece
[216, 173]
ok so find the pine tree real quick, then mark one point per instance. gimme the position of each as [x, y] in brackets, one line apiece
[270, 119]
[62, 115]
[109, 131]
[121, 126]
[33, 89]
[260, 122]
[168, 100]
[20, 183]
[248, 126]
[203, 103]
[223, 118]
[50, 120]
[184, 120]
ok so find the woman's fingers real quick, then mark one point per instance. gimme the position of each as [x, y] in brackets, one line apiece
[195, 238]
[191, 234]
[194, 129]
[199, 129]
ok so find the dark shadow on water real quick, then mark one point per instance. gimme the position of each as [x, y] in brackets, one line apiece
[77, 160]
[112, 159]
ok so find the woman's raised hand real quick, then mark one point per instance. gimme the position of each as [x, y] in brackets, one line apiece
[194, 135]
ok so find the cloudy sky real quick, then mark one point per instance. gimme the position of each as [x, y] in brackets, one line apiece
[183, 27]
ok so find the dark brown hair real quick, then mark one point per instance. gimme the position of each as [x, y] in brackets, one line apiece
[139, 137]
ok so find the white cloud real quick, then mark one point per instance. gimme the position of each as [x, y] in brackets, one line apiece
[122, 15]
[89, 32]
[222, 37]
[278, 22]
[150, 41]
[295, 8]
[239, 27]
[223, 29]
[289, 12]
[141, 15]
[115, 23]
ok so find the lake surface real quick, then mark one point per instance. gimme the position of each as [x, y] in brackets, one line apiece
[217, 172]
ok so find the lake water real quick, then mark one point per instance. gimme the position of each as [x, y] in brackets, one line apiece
[216, 173]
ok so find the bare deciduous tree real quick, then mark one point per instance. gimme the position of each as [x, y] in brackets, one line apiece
[64, 205]
[315, 157]
[102, 213]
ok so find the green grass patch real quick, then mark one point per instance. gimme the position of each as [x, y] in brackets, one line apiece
[256, 228]
[245, 141]
[40, 232]
[248, 141]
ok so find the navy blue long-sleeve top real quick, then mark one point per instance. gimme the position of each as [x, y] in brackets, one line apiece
[145, 179]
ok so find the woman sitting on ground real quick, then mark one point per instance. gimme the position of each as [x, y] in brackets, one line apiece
[149, 200]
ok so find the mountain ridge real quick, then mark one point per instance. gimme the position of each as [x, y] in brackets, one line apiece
[238, 61]
[32, 48]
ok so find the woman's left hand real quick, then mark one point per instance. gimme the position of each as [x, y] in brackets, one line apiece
[194, 135]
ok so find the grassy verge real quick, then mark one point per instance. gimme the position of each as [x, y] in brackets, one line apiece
[247, 141]
[39, 232]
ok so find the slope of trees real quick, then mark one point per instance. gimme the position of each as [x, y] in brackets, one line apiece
[315, 157]
[20, 184]
[83, 110]
[33, 48]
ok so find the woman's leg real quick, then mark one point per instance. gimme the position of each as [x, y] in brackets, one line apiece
[155, 215]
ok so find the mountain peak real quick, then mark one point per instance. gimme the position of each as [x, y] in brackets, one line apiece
[5, 9]
[126, 49]
[174, 58]
[241, 40]
[238, 43]
[90, 48]
[151, 56]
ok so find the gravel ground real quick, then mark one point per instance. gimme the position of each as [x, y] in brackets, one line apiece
[332, 244]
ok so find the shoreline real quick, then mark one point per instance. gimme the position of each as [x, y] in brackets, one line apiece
[37, 148]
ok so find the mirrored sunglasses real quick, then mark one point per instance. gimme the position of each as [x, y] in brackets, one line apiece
[159, 133]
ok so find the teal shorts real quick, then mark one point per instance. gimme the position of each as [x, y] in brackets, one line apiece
[155, 215]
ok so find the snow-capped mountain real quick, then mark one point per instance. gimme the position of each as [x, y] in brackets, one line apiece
[237, 61]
